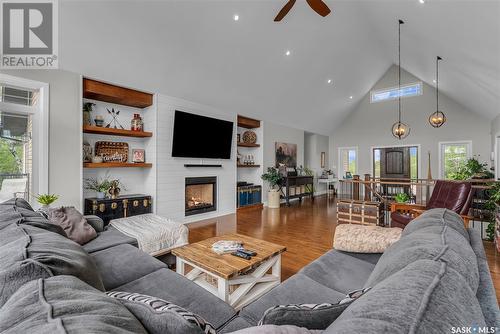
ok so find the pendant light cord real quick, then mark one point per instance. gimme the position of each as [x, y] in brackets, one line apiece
[437, 82]
[399, 70]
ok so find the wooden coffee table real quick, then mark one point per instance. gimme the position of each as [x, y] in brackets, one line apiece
[235, 280]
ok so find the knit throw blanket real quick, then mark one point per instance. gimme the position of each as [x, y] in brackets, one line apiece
[153, 233]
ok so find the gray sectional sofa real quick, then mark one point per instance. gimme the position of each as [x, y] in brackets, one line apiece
[435, 278]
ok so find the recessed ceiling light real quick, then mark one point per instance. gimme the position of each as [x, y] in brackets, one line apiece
[287, 52]
[434, 80]
[329, 81]
[236, 17]
[421, 1]
[351, 97]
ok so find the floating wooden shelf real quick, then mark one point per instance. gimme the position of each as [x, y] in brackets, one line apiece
[248, 166]
[248, 145]
[115, 132]
[117, 165]
[105, 92]
[248, 123]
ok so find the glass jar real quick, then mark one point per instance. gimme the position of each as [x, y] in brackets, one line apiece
[136, 124]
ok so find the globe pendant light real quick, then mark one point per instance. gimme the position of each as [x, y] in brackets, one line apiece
[437, 119]
[400, 130]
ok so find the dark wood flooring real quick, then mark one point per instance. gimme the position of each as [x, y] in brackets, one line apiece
[306, 229]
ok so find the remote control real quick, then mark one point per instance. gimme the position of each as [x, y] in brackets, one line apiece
[242, 255]
[247, 252]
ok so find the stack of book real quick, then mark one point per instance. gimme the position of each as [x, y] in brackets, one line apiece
[227, 246]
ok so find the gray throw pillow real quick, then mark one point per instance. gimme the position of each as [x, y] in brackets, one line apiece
[73, 223]
[310, 316]
[159, 316]
[65, 305]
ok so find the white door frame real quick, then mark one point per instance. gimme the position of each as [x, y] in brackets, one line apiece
[419, 152]
[40, 151]
[339, 165]
[440, 154]
[497, 156]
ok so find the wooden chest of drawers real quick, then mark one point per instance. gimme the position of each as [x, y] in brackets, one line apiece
[120, 207]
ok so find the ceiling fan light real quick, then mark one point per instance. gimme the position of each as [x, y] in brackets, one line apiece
[400, 130]
[437, 119]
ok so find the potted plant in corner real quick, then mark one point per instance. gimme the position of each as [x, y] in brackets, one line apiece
[100, 186]
[273, 177]
[46, 200]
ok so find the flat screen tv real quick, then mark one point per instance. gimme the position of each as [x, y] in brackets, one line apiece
[198, 136]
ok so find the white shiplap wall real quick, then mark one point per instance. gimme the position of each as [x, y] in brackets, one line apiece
[171, 172]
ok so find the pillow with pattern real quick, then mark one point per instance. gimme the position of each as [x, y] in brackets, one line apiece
[310, 316]
[159, 316]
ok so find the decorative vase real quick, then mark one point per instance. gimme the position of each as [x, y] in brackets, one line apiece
[249, 137]
[86, 118]
[100, 194]
[273, 199]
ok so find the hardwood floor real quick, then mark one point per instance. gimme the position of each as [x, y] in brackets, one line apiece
[305, 229]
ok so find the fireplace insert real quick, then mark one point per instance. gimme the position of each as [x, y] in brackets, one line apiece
[200, 195]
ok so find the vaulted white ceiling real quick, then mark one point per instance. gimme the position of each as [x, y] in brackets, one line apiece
[195, 50]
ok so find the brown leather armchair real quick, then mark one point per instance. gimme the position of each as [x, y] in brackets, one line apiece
[452, 195]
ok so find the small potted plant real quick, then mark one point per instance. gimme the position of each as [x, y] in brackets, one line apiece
[46, 200]
[100, 186]
[402, 198]
[87, 109]
[273, 177]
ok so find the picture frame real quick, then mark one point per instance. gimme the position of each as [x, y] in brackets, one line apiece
[323, 159]
[348, 175]
[138, 155]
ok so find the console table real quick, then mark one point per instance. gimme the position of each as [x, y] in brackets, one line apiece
[306, 184]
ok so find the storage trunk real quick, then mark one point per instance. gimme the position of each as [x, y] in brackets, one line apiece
[360, 212]
[122, 206]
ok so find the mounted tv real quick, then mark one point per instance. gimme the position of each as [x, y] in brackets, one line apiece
[198, 136]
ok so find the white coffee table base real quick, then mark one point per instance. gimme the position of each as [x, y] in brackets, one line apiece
[250, 286]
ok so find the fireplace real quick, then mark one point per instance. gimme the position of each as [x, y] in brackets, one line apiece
[200, 195]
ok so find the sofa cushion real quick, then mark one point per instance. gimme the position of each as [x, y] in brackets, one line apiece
[169, 285]
[486, 294]
[310, 316]
[109, 238]
[122, 264]
[431, 242]
[73, 224]
[30, 253]
[340, 271]
[437, 218]
[64, 304]
[159, 316]
[235, 324]
[298, 289]
[274, 329]
[425, 297]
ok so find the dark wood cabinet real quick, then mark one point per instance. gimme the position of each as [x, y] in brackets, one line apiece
[120, 207]
[297, 187]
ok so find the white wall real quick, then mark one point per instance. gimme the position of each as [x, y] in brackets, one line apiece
[277, 133]
[369, 125]
[64, 131]
[171, 172]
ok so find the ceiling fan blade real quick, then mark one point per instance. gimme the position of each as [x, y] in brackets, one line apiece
[284, 10]
[319, 7]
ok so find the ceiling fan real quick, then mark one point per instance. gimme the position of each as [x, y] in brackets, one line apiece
[317, 5]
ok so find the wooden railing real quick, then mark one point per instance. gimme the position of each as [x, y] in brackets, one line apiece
[419, 191]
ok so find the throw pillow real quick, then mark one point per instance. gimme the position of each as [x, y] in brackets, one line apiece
[159, 316]
[364, 239]
[310, 316]
[73, 223]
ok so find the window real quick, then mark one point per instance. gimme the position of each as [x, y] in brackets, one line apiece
[348, 160]
[453, 155]
[388, 94]
[23, 138]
